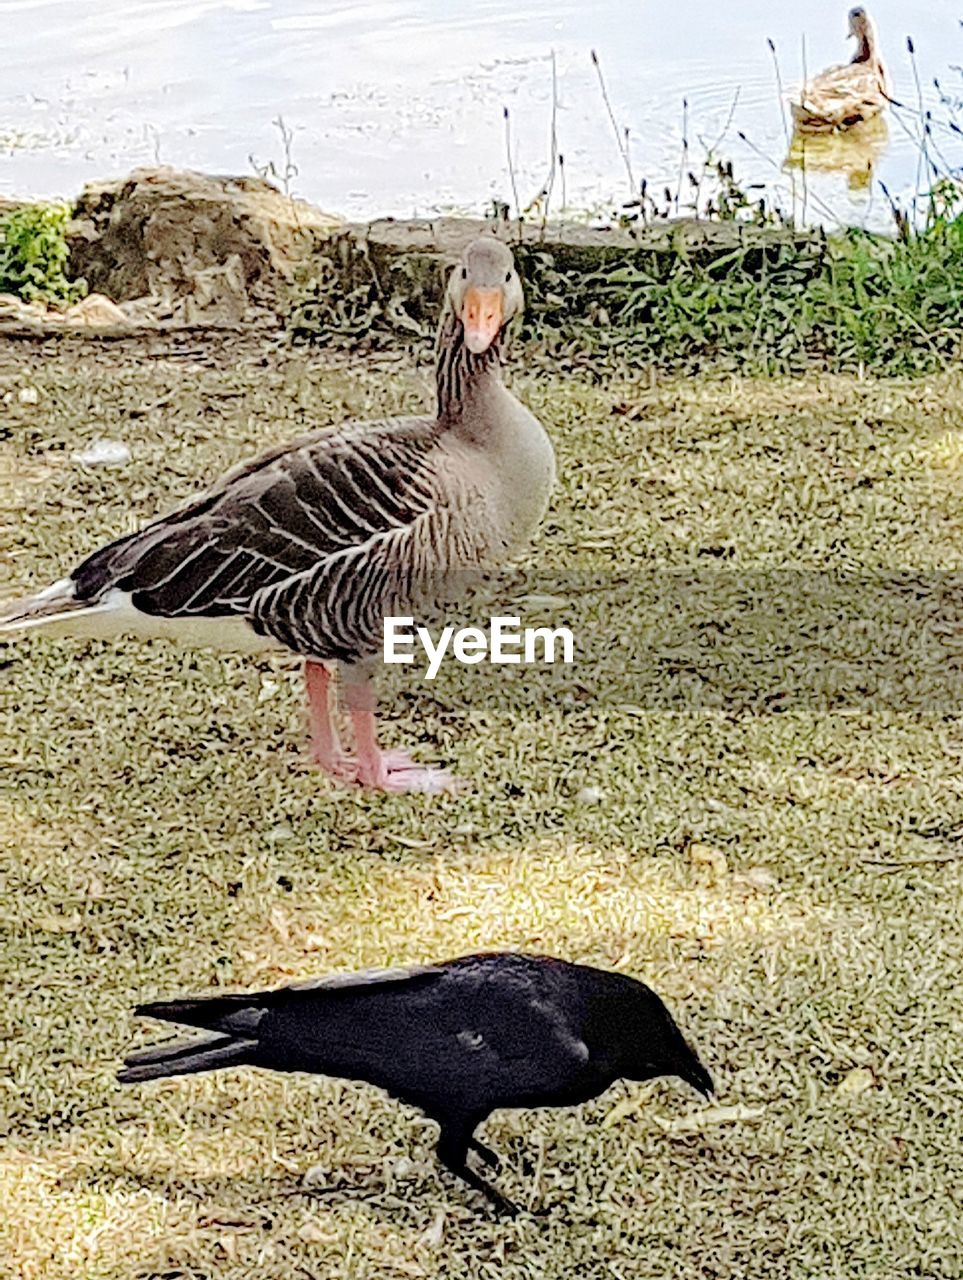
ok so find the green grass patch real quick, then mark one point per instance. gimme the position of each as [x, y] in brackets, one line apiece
[34, 254]
[787, 874]
[731, 293]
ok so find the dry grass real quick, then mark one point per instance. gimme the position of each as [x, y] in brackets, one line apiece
[162, 834]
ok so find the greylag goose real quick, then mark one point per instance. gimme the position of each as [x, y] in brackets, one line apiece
[844, 96]
[310, 546]
[456, 1039]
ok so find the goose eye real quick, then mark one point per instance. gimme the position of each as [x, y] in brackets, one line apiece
[464, 273]
[508, 278]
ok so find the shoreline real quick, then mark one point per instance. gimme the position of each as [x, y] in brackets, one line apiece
[169, 251]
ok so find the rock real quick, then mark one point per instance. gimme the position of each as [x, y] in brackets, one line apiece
[858, 1080]
[395, 270]
[103, 453]
[709, 864]
[312, 1232]
[28, 395]
[17, 313]
[164, 248]
[12, 206]
[590, 795]
[95, 312]
[433, 1236]
[203, 249]
[220, 296]
[761, 879]
[316, 1177]
[147, 313]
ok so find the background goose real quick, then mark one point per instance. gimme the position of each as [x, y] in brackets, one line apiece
[456, 1039]
[312, 544]
[846, 95]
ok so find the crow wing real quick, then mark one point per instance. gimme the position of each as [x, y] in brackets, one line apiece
[463, 1037]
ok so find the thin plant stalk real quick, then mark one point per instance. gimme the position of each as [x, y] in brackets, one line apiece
[553, 145]
[779, 89]
[921, 157]
[805, 173]
[683, 159]
[623, 149]
[712, 150]
[511, 165]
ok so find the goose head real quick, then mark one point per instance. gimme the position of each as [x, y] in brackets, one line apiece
[861, 30]
[484, 292]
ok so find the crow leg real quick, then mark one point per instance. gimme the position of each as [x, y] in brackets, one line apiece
[453, 1147]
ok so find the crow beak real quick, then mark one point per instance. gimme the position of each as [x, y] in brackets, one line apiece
[482, 313]
[699, 1078]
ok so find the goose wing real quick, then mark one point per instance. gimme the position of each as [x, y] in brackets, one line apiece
[270, 520]
[337, 608]
[841, 96]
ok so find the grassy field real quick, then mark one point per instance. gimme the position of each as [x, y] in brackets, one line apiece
[783, 866]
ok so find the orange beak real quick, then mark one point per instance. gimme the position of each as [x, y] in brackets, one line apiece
[482, 314]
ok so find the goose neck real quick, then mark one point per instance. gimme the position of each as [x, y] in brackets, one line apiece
[866, 48]
[465, 380]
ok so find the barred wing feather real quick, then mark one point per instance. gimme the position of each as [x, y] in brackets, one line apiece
[274, 520]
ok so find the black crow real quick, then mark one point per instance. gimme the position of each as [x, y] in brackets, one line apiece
[458, 1039]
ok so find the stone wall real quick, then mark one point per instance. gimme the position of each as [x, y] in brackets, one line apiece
[165, 248]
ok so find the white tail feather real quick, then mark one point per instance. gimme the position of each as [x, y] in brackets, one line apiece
[70, 622]
[55, 603]
[58, 612]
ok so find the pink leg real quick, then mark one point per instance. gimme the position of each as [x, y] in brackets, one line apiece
[386, 770]
[325, 745]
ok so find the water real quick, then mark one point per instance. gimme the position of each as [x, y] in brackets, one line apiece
[396, 106]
